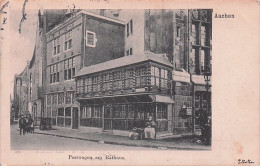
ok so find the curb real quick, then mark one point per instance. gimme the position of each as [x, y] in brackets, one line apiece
[127, 144]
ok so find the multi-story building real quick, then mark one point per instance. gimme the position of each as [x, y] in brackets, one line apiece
[169, 32]
[76, 40]
[111, 69]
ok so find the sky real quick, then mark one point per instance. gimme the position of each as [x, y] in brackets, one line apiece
[22, 44]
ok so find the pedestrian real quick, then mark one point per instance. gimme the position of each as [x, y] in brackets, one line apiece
[22, 125]
[149, 131]
[30, 124]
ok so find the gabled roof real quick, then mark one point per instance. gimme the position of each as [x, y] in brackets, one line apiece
[124, 61]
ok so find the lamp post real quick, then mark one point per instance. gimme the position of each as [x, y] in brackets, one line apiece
[207, 75]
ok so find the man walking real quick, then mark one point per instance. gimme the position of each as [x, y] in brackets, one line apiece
[22, 125]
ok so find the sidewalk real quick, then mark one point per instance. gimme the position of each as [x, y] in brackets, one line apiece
[108, 138]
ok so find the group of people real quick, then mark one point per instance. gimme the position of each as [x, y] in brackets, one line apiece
[145, 131]
[26, 124]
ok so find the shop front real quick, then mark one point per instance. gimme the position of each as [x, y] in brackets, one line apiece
[126, 112]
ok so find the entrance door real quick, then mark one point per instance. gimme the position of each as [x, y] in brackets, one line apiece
[75, 118]
[108, 118]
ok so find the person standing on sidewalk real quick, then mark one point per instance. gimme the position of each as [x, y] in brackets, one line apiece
[22, 125]
[149, 131]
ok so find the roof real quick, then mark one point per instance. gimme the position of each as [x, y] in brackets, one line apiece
[124, 61]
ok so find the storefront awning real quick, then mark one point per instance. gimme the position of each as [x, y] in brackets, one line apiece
[163, 99]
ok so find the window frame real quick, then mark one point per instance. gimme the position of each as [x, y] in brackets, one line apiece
[94, 39]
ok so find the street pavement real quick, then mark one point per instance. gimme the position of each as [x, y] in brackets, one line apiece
[60, 138]
[48, 142]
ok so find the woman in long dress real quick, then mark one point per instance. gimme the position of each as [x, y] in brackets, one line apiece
[149, 131]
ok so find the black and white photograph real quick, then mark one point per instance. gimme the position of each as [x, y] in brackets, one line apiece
[116, 79]
[104, 82]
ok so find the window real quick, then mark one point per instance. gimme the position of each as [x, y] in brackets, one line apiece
[54, 73]
[91, 39]
[105, 83]
[88, 84]
[178, 31]
[117, 81]
[159, 77]
[68, 40]
[97, 112]
[129, 52]
[69, 69]
[130, 112]
[68, 97]
[95, 83]
[140, 76]
[60, 112]
[161, 111]
[86, 112]
[49, 97]
[56, 46]
[129, 28]
[60, 98]
[68, 111]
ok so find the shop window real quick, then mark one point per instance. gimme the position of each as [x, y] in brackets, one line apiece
[97, 112]
[68, 111]
[130, 112]
[54, 112]
[119, 111]
[60, 111]
[161, 111]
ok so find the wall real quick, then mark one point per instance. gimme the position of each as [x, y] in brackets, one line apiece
[136, 39]
[183, 96]
[76, 27]
[110, 41]
[159, 32]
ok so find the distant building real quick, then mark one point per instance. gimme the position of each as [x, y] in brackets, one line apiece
[21, 92]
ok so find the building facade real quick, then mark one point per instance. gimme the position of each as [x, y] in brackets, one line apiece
[111, 69]
[21, 97]
[80, 39]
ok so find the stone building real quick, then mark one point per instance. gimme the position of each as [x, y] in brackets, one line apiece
[21, 92]
[109, 70]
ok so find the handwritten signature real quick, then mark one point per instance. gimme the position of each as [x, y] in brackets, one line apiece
[23, 16]
[239, 161]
